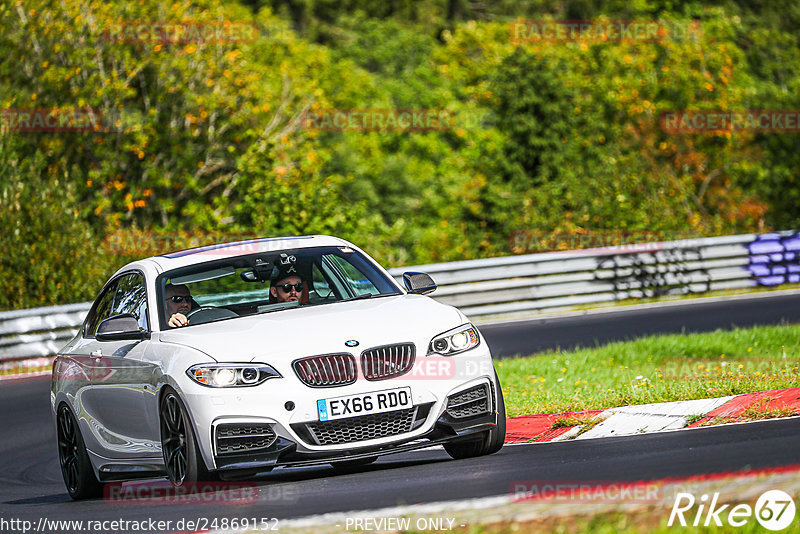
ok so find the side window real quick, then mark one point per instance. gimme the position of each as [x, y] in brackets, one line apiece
[335, 280]
[101, 309]
[320, 284]
[358, 281]
[131, 297]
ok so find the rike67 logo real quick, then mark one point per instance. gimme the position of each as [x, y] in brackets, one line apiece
[774, 510]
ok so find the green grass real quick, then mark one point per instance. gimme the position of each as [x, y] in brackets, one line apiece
[758, 411]
[653, 369]
[692, 419]
[563, 422]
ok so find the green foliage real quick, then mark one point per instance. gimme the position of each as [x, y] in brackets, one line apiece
[48, 254]
[204, 140]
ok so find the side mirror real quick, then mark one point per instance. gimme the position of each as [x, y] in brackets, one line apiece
[419, 283]
[119, 328]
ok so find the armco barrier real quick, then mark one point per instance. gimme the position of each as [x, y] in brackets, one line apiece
[527, 283]
[39, 331]
[563, 280]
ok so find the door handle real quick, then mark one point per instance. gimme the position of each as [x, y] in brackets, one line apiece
[98, 353]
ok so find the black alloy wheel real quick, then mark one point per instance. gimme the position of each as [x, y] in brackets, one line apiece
[181, 457]
[75, 465]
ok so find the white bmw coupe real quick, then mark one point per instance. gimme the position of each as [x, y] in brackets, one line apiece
[229, 360]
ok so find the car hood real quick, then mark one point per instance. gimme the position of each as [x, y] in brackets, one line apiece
[294, 333]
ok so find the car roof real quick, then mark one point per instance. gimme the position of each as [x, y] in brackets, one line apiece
[183, 258]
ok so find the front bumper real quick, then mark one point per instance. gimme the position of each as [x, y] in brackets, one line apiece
[284, 452]
[301, 439]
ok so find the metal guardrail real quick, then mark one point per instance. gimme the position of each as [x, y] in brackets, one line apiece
[526, 283]
[560, 280]
[39, 331]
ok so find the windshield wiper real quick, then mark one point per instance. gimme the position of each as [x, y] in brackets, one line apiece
[369, 295]
[358, 297]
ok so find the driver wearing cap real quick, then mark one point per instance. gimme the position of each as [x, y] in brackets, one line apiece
[287, 285]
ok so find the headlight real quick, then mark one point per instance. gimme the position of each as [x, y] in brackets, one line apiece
[231, 374]
[454, 341]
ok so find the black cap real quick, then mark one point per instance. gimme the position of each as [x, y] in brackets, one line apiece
[286, 265]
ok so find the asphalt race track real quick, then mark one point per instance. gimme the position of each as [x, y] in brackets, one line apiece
[32, 487]
[616, 324]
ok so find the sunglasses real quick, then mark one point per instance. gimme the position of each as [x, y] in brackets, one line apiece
[288, 287]
[179, 298]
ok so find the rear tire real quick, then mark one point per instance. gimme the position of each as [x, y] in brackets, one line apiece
[178, 444]
[491, 441]
[76, 468]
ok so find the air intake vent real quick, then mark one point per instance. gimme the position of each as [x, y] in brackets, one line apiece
[468, 403]
[232, 438]
[390, 361]
[364, 427]
[326, 370]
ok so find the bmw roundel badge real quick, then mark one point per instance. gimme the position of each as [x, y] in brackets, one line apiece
[351, 343]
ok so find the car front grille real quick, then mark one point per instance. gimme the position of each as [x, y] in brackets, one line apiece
[326, 370]
[364, 427]
[233, 438]
[471, 402]
[390, 361]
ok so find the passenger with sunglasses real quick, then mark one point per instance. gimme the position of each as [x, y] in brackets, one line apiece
[288, 289]
[178, 301]
[286, 282]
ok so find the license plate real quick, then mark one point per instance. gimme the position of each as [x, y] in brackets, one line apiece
[364, 404]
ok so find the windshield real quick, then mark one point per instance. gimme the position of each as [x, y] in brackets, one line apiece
[267, 282]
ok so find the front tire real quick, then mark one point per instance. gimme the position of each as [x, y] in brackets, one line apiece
[491, 441]
[178, 444]
[76, 468]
